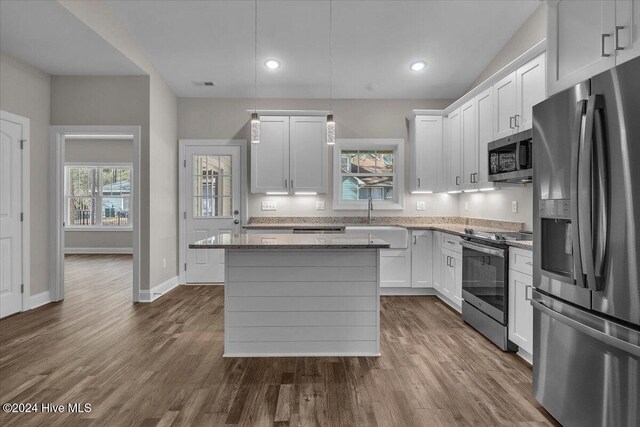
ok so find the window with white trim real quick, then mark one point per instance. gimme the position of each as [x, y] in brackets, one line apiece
[368, 168]
[98, 196]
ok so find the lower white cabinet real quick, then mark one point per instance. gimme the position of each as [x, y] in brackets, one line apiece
[436, 260]
[422, 259]
[452, 276]
[395, 268]
[520, 309]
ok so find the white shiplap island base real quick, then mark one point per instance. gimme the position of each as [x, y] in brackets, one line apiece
[301, 295]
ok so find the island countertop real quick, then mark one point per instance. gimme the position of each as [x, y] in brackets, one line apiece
[290, 241]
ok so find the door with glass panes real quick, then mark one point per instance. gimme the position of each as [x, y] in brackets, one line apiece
[213, 207]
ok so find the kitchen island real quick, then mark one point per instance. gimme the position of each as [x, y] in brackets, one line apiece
[300, 294]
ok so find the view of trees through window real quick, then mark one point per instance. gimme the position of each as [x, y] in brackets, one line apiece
[366, 172]
[97, 196]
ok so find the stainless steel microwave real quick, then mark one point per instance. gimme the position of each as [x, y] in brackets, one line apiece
[511, 158]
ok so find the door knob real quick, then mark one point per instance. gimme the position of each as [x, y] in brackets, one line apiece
[236, 212]
[236, 221]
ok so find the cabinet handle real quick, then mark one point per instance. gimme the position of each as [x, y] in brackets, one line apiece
[286, 183]
[415, 240]
[527, 295]
[292, 184]
[511, 122]
[457, 180]
[604, 36]
[475, 177]
[516, 120]
[418, 182]
[618, 28]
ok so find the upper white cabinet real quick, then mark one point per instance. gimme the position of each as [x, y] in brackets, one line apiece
[270, 158]
[504, 112]
[422, 259]
[484, 107]
[453, 153]
[530, 90]
[515, 95]
[588, 37]
[425, 143]
[291, 156]
[469, 144]
[308, 151]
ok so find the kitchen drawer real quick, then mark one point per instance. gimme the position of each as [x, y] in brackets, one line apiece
[521, 260]
[451, 242]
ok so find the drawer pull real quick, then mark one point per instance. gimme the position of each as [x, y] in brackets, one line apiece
[527, 295]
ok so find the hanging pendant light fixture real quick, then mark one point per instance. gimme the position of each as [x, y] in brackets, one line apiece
[331, 124]
[255, 119]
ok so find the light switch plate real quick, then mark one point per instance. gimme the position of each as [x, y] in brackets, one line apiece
[268, 206]
[320, 205]
[514, 206]
[420, 206]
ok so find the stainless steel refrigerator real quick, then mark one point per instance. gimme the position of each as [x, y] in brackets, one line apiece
[586, 346]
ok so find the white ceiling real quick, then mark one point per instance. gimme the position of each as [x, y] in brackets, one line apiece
[47, 36]
[374, 42]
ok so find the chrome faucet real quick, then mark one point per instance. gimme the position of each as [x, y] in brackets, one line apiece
[370, 208]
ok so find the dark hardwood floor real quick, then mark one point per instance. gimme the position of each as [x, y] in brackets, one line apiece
[161, 364]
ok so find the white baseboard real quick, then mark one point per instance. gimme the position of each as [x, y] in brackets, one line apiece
[525, 356]
[76, 251]
[39, 299]
[407, 291]
[205, 284]
[160, 290]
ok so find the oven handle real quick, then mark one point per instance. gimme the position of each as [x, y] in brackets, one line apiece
[483, 249]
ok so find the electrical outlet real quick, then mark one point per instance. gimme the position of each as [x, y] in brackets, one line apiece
[320, 205]
[466, 206]
[164, 263]
[420, 206]
[514, 206]
[269, 206]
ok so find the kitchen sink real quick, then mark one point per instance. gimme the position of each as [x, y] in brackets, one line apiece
[397, 237]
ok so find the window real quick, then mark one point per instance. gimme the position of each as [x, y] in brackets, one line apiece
[97, 196]
[368, 168]
[212, 186]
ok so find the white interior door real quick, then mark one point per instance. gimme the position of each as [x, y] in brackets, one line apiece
[213, 206]
[11, 134]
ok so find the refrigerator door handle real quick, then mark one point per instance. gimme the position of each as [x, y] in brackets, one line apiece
[579, 130]
[585, 194]
[592, 332]
[602, 200]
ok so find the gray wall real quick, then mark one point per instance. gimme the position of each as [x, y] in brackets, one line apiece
[25, 91]
[228, 119]
[98, 150]
[530, 33]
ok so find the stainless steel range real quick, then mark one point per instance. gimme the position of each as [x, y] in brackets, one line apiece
[485, 266]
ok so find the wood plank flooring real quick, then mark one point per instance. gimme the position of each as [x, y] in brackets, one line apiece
[161, 364]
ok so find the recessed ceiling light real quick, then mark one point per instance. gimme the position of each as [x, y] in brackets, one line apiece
[272, 64]
[418, 66]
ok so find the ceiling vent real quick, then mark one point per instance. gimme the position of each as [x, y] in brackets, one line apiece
[211, 84]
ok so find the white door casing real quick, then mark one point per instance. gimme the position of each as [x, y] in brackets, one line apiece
[213, 206]
[13, 135]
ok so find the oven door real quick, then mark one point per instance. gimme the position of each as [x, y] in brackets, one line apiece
[484, 279]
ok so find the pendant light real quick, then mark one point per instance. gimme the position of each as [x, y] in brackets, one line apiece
[255, 119]
[331, 124]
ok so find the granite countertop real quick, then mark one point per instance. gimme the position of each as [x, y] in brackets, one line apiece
[455, 229]
[291, 241]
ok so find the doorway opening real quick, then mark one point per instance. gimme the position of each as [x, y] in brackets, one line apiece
[95, 212]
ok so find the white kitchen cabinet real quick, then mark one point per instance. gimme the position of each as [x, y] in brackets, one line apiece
[395, 268]
[270, 158]
[588, 37]
[422, 259]
[504, 106]
[520, 310]
[484, 107]
[628, 30]
[452, 276]
[308, 153]
[469, 144]
[530, 90]
[437, 261]
[453, 152]
[425, 142]
[291, 156]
